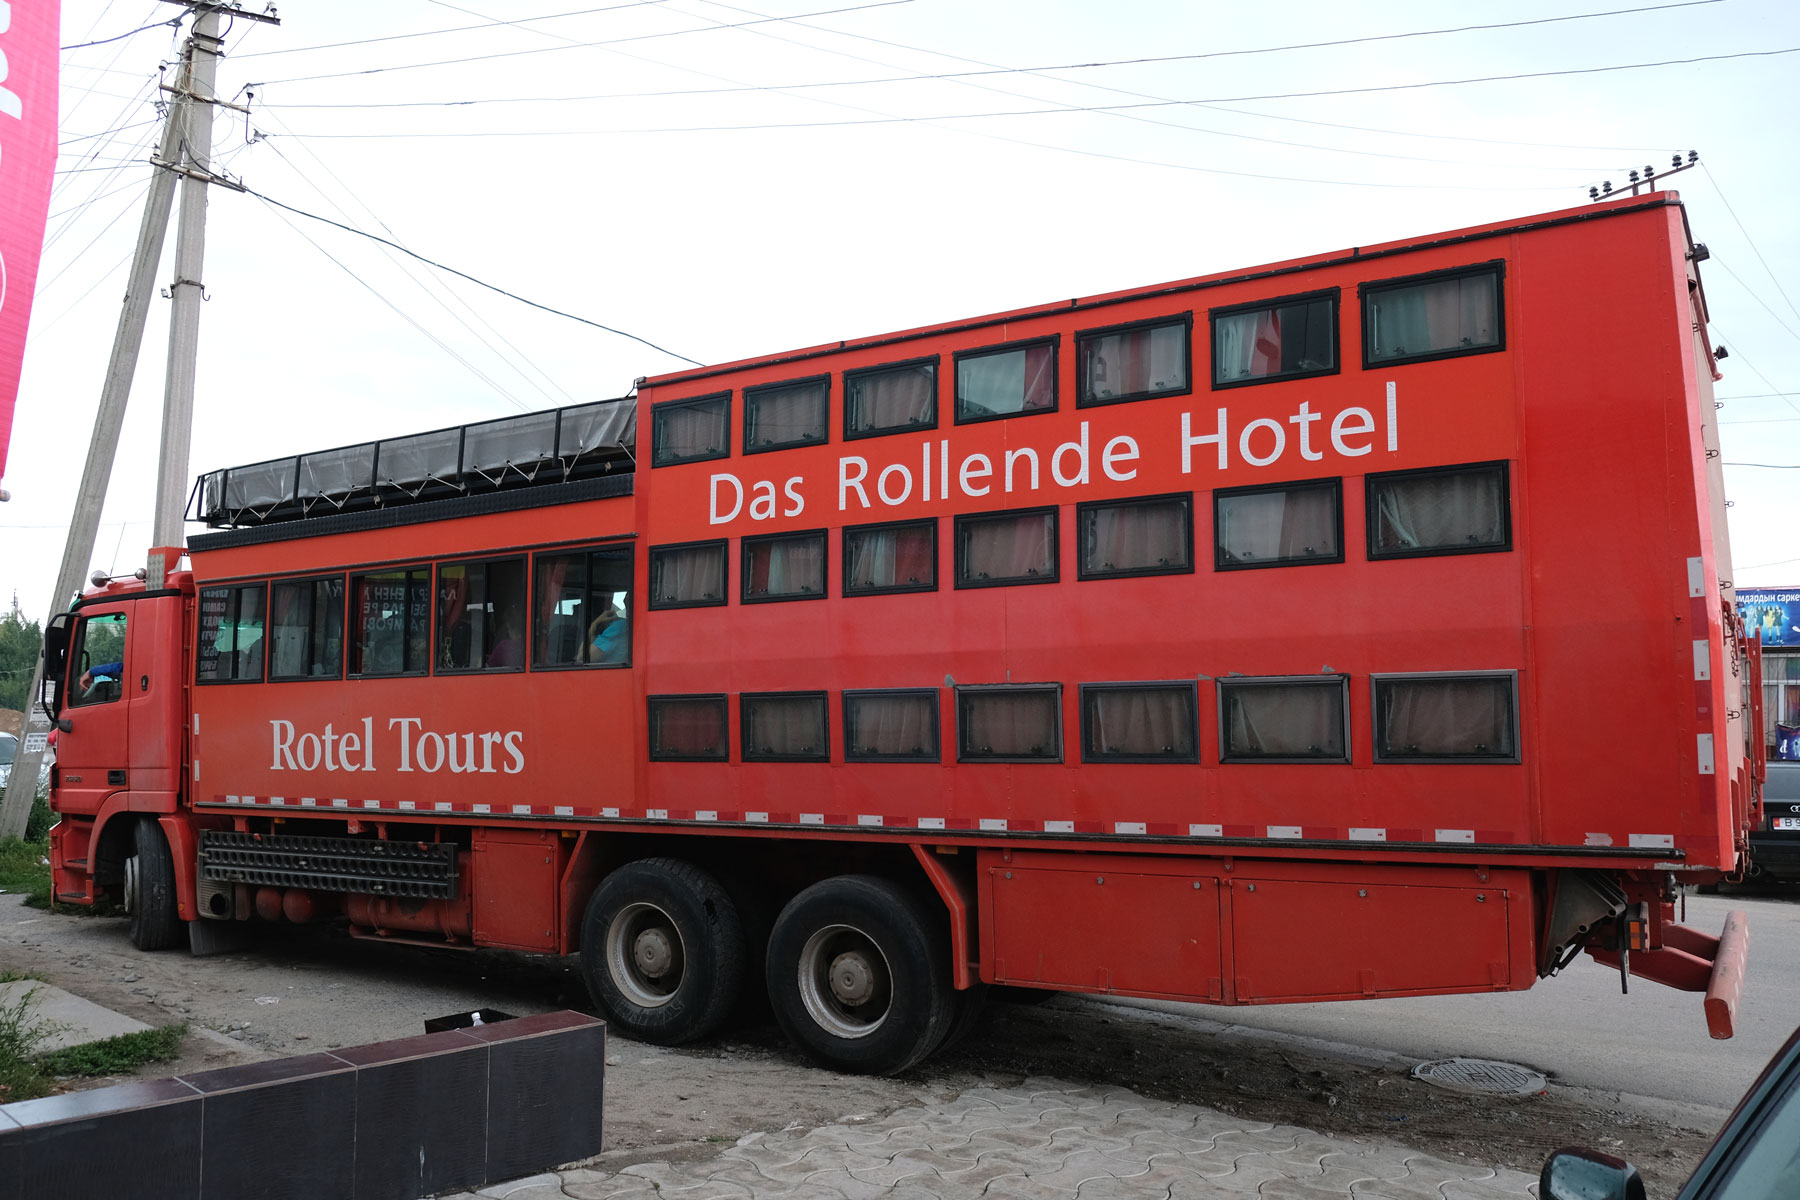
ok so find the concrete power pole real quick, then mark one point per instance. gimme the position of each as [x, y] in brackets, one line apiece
[78, 551]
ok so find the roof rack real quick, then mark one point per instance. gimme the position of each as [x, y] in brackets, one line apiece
[531, 450]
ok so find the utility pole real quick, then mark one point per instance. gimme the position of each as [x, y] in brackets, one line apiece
[172, 158]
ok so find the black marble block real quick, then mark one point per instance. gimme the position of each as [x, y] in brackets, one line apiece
[421, 1116]
[139, 1139]
[277, 1130]
[545, 1086]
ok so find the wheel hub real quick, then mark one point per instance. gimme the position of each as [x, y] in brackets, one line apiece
[131, 883]
[653, 953]
[852, 980]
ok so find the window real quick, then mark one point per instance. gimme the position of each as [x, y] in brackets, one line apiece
[688, 729]
[1006, 381]
[785, 727]
[481, 616]
[893, 399]
[690, 430]
[896, 726]
[583, 609]
[1009, 723]
[1288, 338]
[231, 634]
[1140, 722]
[890, 558]
[1447, 718]
[1303, 719]
[785, 566]
[1281, 526]
[687, 576]
[786, 414]
[1443, 315]
[1152, 536]
[306, 629]
[390, 613]
[1450, 510]
[996, 549]
[1132, 362]
[99, 672]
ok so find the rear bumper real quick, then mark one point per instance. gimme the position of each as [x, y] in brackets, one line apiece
[1776, 854]
[1692, 961]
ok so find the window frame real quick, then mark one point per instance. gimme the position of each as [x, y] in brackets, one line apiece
[1082, 509]
[650, 704]
[1082, 400]
[1332, 294]
[1334, 482]
[937, 725]
[751, 393]
[527, 582]
[262, 675]
[937, 398]
[1460, 760]
[749, 541]
[722, 545]
[1091, 755]
[967, 690]
[1226, 683]
[1374, 287]
[531, 591]
[745, 699]
[1371, 514]
[959, 583]
[656, 414]
[78, 650]
[846, 591]
[1054, 341]
[353, 635]
[343, 626]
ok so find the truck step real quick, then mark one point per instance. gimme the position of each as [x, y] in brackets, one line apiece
[372, 866]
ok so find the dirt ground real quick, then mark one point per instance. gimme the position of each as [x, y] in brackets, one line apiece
[299, 990]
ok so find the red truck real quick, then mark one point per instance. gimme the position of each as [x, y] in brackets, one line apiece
[1253, 638]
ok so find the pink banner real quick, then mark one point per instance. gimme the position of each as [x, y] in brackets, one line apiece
[28, 64]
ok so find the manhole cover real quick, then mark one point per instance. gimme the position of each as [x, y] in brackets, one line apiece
[1482, 1076]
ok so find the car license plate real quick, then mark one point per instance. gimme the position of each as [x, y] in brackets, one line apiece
[1787, 822]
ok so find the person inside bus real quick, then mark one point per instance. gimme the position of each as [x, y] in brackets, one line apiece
[609, 637]
[509, 650]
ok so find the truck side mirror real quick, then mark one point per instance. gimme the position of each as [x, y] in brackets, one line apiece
[1575, 1174]
[56, 663]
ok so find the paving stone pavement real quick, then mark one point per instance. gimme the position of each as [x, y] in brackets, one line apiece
[1043, 1140]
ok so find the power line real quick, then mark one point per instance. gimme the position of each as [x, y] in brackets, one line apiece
[472, 279]
[1752, 241]
[121, 37]
[1773, 315]
[401, 37]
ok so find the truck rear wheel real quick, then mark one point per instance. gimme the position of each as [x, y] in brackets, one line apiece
[663, 950]
[859, 975]
[150, 890]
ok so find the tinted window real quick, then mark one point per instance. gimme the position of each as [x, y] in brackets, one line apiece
[688, 729]
[1020, 723]
[1435, 316]
[690, 430]
[390, 614]
[1283, 720]
[689, 576]
[1006, 381]
[1135, 537]
[1279, 526]
[786, 414]
[231, 635]
[894, 399]
[891, 726]
[99, 661]
[789, 566]
[996, 549]
[582, 607]
[785, 727]
[1139, 722]
[1454, 510]
[1132, 362]
[306, 629]
[1455, 718]
[481, 616]
[1280, 339]
[890, 558]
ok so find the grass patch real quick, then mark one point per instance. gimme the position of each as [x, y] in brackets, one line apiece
[21, 1029]
[119, 1055]
[23, 869]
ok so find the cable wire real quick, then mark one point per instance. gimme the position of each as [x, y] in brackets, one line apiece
[424, 33]
[1759, 255]
[121, 37]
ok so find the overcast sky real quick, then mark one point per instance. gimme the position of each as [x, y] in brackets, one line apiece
[722, 184]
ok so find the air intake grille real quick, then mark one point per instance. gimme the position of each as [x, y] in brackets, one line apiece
[418, 870]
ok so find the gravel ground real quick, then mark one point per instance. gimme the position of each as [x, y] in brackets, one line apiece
[297, 990]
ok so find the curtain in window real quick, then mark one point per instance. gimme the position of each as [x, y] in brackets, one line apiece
[897, 557]
[689, 729]
[1247, 345]
[1018, 724]
[782, 415]
[785, 727]
[1285, 720]
[687, 576]
[789, 567]
[689, 431]
[1141, 722]
[1136, 362]
[1135, 537]
[559, 626]
[290, 624]
[1449, 314]
[1434, 718]
[392, 622]
[1022, 547]
[891, 726]
[1010, 382]
[1271, 526]
[892, 399]
[1436, 512]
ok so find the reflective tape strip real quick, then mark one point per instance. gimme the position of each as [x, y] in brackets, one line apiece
[480, 808]
[442, 806]
[1059, 827]
[1368, 835]
[707, 814]
[757, 818]
[564, 810]
[408, 805]
[309, 802]
[1696, 577]
[1206, 831]
[995, 824]
[1129, 827]
[656, 814]
[521, 810]
[1706, 753]
[1702, 659]
[1456, 835]
[1284, 831]
[609, 812]
[371, 804]
[1652, 841]
[339, 802]
[931, 822]
[866, 819]
[812, 818]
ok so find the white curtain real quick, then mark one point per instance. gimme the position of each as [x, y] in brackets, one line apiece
[1449, 314]
[788, 567]
[1010, 724]
[779, 416]
[1247, 345]
[785, 727]
[902, 556]
[1285, 720]
[1136, 362]
[1438, 718]
[686, 576]
[690, 431]
[1136, 537]
[690, 729]
[1272, 526]
[902, 398]
[1142, 722]
[895, 726]
[1013, 381]
[1441, 511]
[1010, 548]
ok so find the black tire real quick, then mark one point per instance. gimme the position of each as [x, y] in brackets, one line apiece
[756, 913]
[859, 975]
[662, 950]
[149, 890]
[971, 1002]
[1013, 994]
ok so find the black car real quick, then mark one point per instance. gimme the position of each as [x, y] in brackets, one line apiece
[1755, 1157]
[1775, 847]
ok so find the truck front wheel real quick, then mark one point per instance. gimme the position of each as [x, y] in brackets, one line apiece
[662, 949]
[150, 890]
[859, 975]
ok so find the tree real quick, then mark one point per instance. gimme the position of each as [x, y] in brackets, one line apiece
[20, 643]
